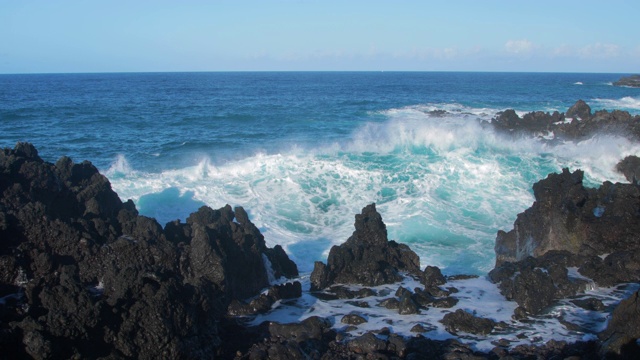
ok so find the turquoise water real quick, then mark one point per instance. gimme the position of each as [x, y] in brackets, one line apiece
[304, 152]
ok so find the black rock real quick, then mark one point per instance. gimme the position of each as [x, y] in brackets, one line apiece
[367, 344]
[93, 279]
[579, 110]
[632, 81]
[461, 320]
[583, 126]
[407, 306]
[567, 216]
[620, 336]
[432, 276]
[535, 283]
[390, 303]
[591, 304]
[353, 319]
[630, 168]
[367, 257]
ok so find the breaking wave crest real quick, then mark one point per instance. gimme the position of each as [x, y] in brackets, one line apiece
[443, 184]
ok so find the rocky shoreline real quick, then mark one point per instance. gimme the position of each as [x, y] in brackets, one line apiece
[83, 275]
[632, 81]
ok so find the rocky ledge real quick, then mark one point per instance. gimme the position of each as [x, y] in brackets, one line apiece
[632, 81]
[578, 123]
[82, 275]
[573, 238]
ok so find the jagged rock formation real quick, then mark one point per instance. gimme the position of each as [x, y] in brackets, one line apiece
[577, 124]
[367, 257]
[461, 320]
[82, 275]
[569, 235]
[567, 216]
[619, 338]
[630, 168]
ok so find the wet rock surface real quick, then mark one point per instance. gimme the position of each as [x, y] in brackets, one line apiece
[84, 276]
[461, 320]
[620, 336]
[592, 232]
[89, 278]
[578, 123]
[630, 168]
[566, 216]
[367, 258]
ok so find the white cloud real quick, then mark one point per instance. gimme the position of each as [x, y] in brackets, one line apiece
[519, 47]
[600, 51]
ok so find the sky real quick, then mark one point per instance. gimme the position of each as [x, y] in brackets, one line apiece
[63, 36]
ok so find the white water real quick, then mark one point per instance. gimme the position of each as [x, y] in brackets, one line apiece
[443, 185]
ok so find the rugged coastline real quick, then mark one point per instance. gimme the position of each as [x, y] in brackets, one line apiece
[83, 275]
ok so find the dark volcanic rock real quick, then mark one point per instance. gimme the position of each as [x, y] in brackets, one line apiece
[461, 320]
[630, 168]
[619, 338]
[596, 231]
[579, 110]
[535, 283]
[432, 276]
[567, 216]
[591, 304]
[367, 257]
[353, 319]
[583, 125]
[633, 81]
[91, 278]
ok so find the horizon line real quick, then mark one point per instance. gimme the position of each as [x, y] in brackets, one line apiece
[315, 71]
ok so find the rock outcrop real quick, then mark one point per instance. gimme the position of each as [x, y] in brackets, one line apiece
[632, 81]
[621, 335]
[570, 239]
[566, 216]
[367, 257]
[577, 124]
[461, 320]
[82, 275]
[630, 168]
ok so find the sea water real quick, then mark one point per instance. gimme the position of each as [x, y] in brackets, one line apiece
[303, 152]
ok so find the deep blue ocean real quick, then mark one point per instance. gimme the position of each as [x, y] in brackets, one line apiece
[303, 152]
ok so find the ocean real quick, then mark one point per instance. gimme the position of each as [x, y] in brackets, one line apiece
[303, 152]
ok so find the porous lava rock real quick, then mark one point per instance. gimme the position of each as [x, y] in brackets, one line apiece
[569, 217]
[630, 168]
[83, 275]
[461, 320]
[623, 330]
[367, 258]
[569, 235]
[579, 123]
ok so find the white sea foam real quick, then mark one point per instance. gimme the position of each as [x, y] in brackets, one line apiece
[628, 103]
[477, 296]
[443, 184]
[120, 167]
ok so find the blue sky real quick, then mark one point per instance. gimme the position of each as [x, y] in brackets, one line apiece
[454, 35]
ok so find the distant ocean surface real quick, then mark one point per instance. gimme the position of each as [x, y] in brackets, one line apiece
[303, 152]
